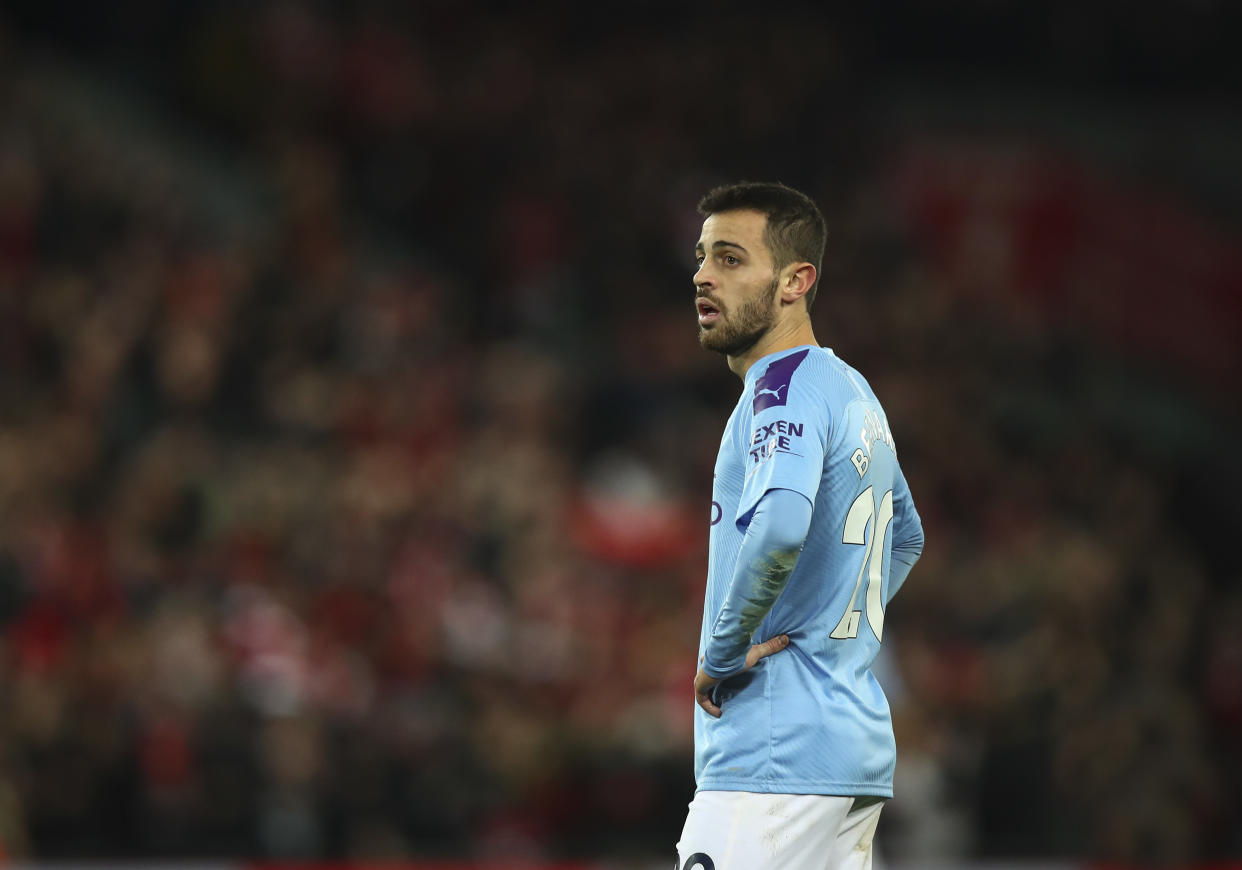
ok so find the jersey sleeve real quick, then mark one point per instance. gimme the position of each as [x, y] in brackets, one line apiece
[907, 535]
[786, 441]
[769, 553]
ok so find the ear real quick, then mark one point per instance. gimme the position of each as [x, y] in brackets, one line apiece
[799, 279]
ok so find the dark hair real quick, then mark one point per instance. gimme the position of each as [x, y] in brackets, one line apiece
[795, 230]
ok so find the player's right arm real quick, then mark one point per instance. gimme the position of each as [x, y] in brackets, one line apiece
[774, 539]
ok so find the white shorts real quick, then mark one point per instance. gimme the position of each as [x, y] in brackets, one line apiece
[742, 830]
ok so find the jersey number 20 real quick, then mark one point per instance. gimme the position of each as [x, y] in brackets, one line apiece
[864, 515]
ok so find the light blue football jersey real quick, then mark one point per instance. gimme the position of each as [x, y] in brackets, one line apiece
[811, 719]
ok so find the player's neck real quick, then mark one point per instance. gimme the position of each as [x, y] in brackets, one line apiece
[782, 336]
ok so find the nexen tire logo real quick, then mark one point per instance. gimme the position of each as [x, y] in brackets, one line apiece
[774, 438]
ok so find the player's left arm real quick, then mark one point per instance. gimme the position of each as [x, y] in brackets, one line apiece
[770, 549]
[907, 535]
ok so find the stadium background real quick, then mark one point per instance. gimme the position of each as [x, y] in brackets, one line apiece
[355, 444]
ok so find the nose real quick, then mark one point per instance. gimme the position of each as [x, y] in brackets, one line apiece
[703, 278]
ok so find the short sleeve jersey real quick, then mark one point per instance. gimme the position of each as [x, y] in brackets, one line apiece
[813, 718]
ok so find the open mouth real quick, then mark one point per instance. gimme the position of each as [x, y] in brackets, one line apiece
[707, 311]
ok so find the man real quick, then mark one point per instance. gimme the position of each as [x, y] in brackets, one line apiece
[813, 532]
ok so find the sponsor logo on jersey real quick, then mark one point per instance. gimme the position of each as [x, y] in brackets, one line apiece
[772, 438]
[772, 388]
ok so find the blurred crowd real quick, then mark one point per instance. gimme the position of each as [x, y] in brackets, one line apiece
[365, 513]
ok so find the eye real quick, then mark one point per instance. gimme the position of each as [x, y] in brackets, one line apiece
[730, 260]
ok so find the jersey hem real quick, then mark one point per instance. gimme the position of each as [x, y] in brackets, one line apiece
[850, 789]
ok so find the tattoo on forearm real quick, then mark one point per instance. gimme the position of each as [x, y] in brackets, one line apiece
[770, 573]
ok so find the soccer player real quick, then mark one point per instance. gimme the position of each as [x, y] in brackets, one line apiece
[813, 532]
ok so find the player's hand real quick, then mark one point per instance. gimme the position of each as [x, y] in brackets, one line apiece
[703, 684]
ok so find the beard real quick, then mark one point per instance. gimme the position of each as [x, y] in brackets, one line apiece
[733, 335]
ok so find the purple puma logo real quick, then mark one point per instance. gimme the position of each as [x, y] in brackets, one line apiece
[772, 388]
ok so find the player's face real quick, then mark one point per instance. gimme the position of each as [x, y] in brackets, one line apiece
[736, 282]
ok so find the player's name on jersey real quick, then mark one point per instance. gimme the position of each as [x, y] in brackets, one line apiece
[875, 428]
